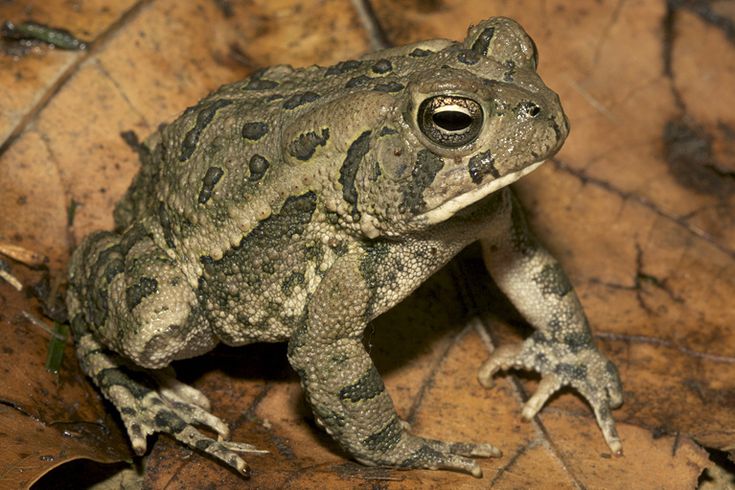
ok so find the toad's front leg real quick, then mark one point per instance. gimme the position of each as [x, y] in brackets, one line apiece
[345, 390]
[562, 348]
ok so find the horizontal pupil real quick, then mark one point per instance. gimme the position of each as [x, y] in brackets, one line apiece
[452, 120]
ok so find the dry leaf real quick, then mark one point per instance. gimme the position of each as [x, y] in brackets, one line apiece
[45, 419]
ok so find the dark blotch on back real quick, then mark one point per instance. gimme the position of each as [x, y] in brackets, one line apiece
[165, 220]
[357, 81]
[388, 87]
[382, 66]
[261, 85]
[135, 293]
[420, 53]
[343, 67]
[204, 117]
[254, 130]
[258, 83]
[481, 165]
[108, 265]
[347, 173]
[111, 268]
[306, 144]
[209, 180]
[424, 170]
[223, 278]
[258, 165]
[299, 99]
[482, 43]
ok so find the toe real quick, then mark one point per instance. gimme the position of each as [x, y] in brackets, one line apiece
[502, 358]
[607, 426]
[474, 450]
[195, 439]
[455, 462]
[242, 447]
[194, 414]
[172, 389]
[549, 384]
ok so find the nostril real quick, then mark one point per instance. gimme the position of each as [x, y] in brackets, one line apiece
[528, 110]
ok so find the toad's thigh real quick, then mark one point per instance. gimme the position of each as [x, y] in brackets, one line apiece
[136, 300]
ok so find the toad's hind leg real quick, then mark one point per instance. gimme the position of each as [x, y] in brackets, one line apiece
[128, 307]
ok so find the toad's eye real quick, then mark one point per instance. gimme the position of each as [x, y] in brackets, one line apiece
[450, 120]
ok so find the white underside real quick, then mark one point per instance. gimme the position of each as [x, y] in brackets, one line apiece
[451, 207]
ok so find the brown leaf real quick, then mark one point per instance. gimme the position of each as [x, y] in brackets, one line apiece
[638, 206]
[45, 419]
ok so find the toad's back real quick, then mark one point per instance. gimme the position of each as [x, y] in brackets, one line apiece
[233, 159]
[239, 191]
[236, 191]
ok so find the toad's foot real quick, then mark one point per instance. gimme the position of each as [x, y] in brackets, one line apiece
[414, 452]
[581, 366]
[171, 407]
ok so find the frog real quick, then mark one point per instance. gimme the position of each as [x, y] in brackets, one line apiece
[298, 205]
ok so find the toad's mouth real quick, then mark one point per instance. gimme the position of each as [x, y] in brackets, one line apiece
[449, 208]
